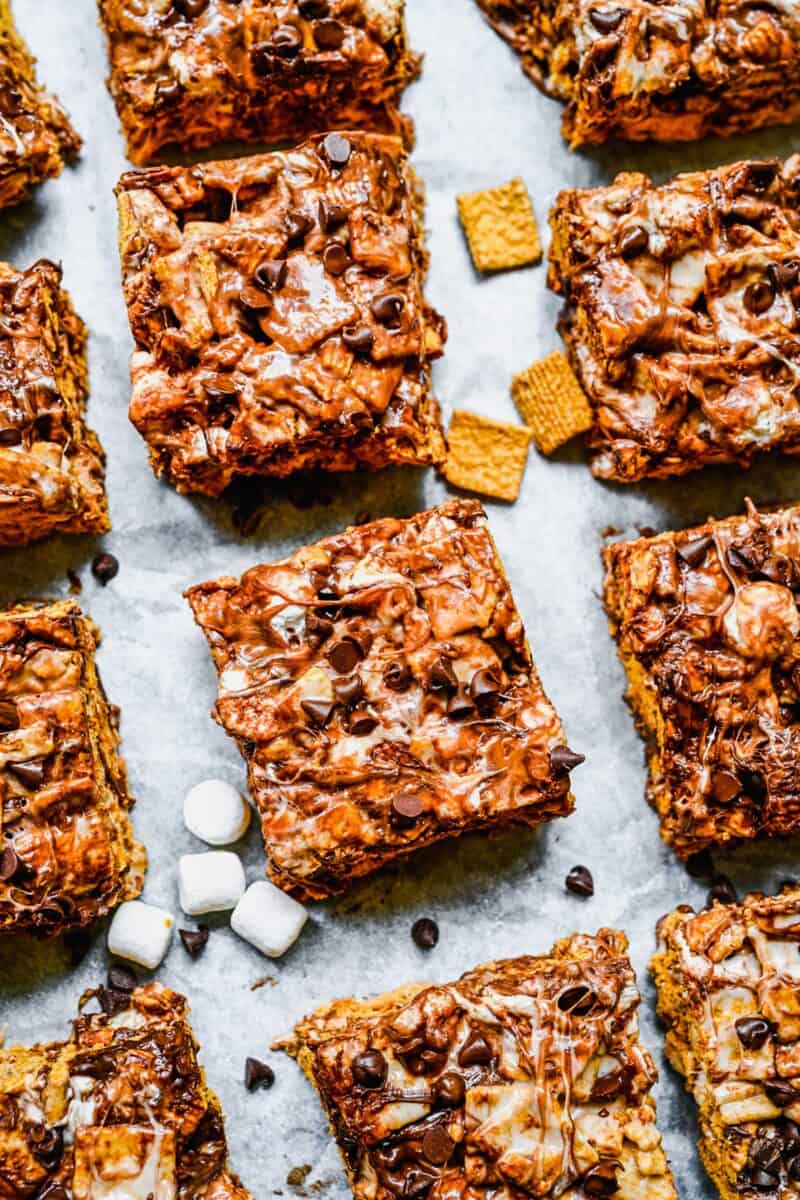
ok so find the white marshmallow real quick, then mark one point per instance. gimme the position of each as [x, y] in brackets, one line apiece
[268, 919]
[216, 813]
[210, 882]
[140, 933]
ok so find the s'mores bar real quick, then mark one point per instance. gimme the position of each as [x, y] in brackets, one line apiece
[67, 854]
[277, 308]
[673, 71]
[728, 984]
[382, 691]
[525, 1077]
[708, 627]
[681, 316]
[121, 1109]
[194, 72]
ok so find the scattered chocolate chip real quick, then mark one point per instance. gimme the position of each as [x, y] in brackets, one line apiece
[388, 308]
[758, 297]
[346, 652]
[601, 1180]
[9, 864]
[329, 35]
[195, 940]
[257, 1074]
[190, 8]
[113, 1001]
[725, 787]
[460, 704]
[739, 559]
[425, 933]
[348, 690]
[450, 1089]
[330, 216]
[313, 9]
[578, 1000]
[485, 685]
[47, 1145]
[437, 1145]
[30, 774]
[781, 1094]
[105, 567]
[360, 339]
[271, 274]
[335, 258]
[122, 978]
[261, 61]
[10, 437]
[317, 711]
[361, 722]
[318, 627]
[297, 226]
[722, 890]
[286, 41]
[700, 865]
[605, 20]
[337, 149]
[783, 276]
[563, 760]
[752, 1032]
[694, 551]
[608, 1085]
[634, 242]
[9, 716]
[370, 1069]
[441, 677]
[398, 677]
[423, 1060]
[476, 1051]
[579, 881]
[406, 809]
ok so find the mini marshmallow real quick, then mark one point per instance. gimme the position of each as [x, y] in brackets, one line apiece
[268, 919]
[216, 813]
[210, 882]
[140, 933]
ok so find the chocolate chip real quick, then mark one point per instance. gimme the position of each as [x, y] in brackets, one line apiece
[758, 297]
[345, 653]
[762, 174]
[9, 716]
[721, 890]
[425, 933]
[450, 1089]
[122, 978]
[329, 34]
[105, 567]
[318, 628]
[578, 1000]
[100, 1066]
[330, 216]
[337, 150]
[579, 881]
[781, 1094]
[605, 20]
[634, 242]
[297, 226]
[335, 258]
[740, 560]
[608, 1085]
[271, 274]
[317, 711]
[257, 1074]
[286, 41]
[601, 1180]
[725, 787]
[311, 9]
[754, 785]
[47, 1146]
[563, 760]
[397, 677]
[361, 722]
[360, 339]
[190, 8]
[460, 704]
[485, 686]
[476, 1051]
[348, 690]
[441, 677]
[195, 940]
[406, 809]
[783, 276]
[700, 865]
[113, 1001]
[752, 1032]
[370, 1069]
[423, 1060]
[388, 308]
[693, 552]
[10, 437]
[437, 1145]
[28, 773]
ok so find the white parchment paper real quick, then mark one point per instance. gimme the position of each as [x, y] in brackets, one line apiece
[479, 122]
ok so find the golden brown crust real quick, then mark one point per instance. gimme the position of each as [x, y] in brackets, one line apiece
[486, 456]
[381, 688]
[707, 624]
[123, 1099]
[523, 1078]
[193, 74]
[500, 227]
[68, 854]
[277, 307]
[52, 467]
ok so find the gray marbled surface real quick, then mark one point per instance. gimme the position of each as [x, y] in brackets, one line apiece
[479, 122]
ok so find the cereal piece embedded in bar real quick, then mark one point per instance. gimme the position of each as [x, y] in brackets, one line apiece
[523, 1078]
[501, 227]
[728, 984]
[668, 71]
[36, 137]
[276, 303]
[486, 456]
[381, 688]
[198, 72]
[67, 855]
[680, 315]
[707, 623]
[51, 464]
[551, 402]
[121, 1109]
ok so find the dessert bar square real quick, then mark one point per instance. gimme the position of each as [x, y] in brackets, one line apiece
[67, 854]
[707, 623]
[523, 1078]
[680, 315]
[670, 72]
[52, 467]
[119, 1109]
[276, 304]
[197, 72]
[382, 691]
[36, 137]
[728, 985]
